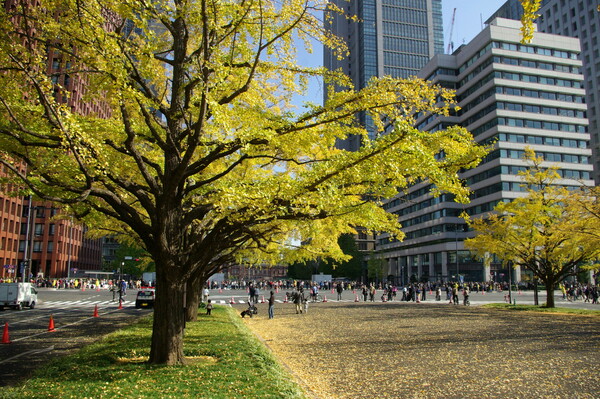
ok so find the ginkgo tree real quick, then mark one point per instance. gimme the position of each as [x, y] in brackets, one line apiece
[540, 231]
[203, 159]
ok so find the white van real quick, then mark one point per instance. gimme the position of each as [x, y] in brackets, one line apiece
[17, 295]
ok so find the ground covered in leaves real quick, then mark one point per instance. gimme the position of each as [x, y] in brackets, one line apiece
[402, 350]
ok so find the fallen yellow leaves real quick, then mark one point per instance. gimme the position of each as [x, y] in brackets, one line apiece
[415, 351]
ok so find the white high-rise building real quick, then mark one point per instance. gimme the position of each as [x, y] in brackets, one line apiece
[515, 95]
[580, 19]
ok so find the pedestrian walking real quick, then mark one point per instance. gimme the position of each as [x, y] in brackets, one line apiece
[271, 305]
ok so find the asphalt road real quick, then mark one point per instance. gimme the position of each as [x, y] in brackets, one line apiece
[32, 344]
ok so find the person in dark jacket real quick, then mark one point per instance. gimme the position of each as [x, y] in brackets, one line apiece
[271, 305]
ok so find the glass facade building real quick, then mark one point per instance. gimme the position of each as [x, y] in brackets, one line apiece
[394, 37]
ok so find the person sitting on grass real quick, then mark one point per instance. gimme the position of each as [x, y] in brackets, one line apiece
[209, 307]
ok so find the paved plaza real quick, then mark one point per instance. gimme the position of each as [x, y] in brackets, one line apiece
[433, 350]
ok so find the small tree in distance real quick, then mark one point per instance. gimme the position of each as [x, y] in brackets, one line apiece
[539, 231]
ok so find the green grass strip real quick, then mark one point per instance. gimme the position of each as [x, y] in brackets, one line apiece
[542, 309]
[225, 360]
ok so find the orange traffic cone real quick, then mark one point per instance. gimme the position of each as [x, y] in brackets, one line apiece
[220, 291]
[5, 339]
[51, 324]
[325, 298]
[96, 311]
[277, 290]
[418, 300]
[356, 298]
[262, 299]
[285, 299]
[232, 301]
[120, 304]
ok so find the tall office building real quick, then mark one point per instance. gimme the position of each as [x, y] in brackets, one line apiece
[515, 95]
[394, 38]
[581, 19]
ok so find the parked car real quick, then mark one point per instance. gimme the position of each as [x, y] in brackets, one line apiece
[17, 295]
[145, 298]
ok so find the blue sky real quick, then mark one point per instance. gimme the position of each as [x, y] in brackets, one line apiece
[470, 15]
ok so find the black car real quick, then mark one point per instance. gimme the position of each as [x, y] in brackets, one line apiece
[144, 299]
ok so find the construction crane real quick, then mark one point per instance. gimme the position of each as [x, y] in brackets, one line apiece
[450, 48]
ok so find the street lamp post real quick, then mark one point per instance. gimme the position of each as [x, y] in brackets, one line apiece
[70, 249]
[26, 249]
[456, 241]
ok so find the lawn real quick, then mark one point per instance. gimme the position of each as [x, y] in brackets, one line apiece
[225, 360]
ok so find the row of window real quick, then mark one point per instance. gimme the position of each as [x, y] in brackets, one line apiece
[523, 77]
[414, 195]
[406, 60]
[525, 48]
[547, 156]
[403, 73]
[429, 202]
[529, 139]
[545, 95]
[404, 15]
[572, 113]
[522, 48]
[428, 231]
[405, 45]
[427, 217]
[537, 64]
[417, 4]
[475, 72]
[482, 208]
[514, 122]
[39, 229]
[563, 173]
[38, 246]
[533, 124]
[473, 59]
[404, 30]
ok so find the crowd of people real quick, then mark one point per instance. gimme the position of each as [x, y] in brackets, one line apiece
[84, 283]
[303, 292]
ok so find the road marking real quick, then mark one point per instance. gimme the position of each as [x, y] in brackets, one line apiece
[62, 326]
[80, 304]
[31, 352]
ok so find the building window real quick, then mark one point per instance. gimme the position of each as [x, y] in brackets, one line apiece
[37, 246]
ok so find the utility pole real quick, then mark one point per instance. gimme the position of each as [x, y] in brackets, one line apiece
[26, 249]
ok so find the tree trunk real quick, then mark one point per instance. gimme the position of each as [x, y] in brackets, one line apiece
[192, 295]
[550, 294]
[169, 319]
